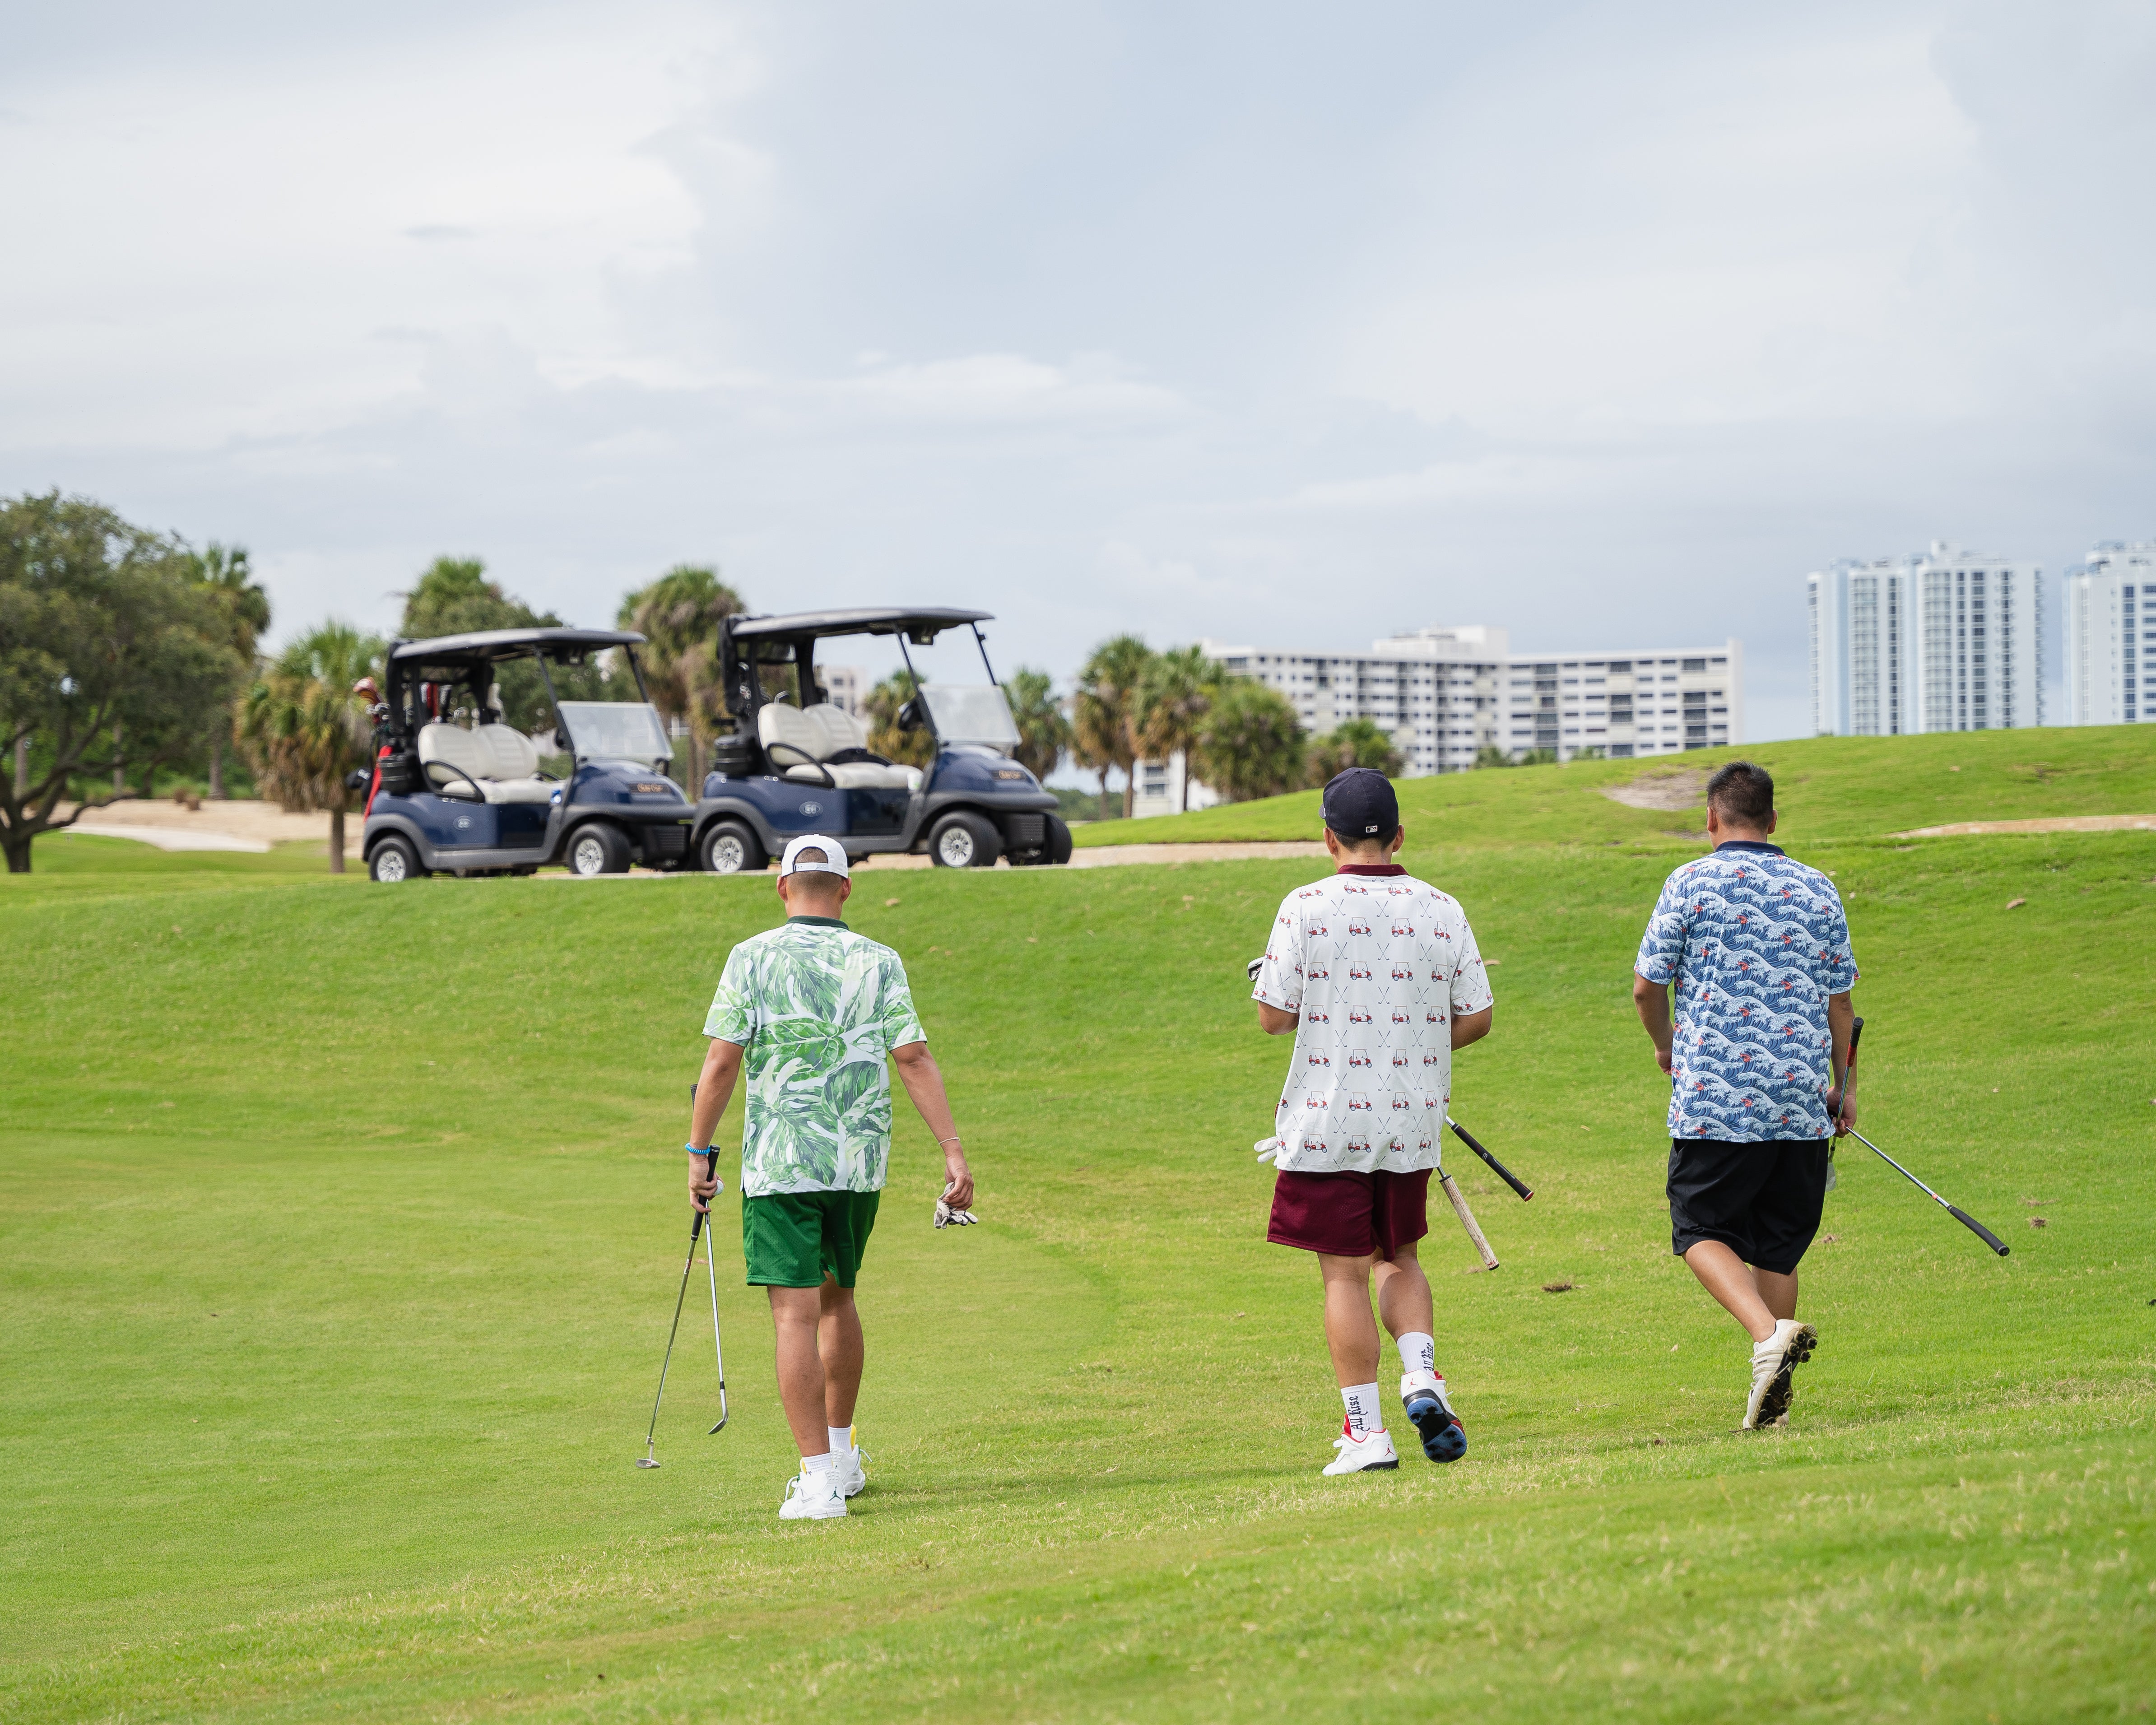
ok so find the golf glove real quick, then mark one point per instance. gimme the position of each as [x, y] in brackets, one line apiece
[946, 1217]
[1255, 967]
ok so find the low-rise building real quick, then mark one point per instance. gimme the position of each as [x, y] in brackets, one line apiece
[1445, 694]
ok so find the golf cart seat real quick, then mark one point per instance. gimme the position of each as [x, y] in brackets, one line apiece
[824, 744]
[498, 760]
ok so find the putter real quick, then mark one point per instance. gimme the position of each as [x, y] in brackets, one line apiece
[1467, 1220]
[1496, 1167]
[696, 1228]
[1960, 1215]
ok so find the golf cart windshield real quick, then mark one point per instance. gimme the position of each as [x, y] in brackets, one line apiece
[963, 713]
[616, 731]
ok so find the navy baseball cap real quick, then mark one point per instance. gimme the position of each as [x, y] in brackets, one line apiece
[1359, 804]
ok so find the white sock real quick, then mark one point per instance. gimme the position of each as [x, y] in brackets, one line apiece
[1364, 1413]
[842, 1438]
[819, 1464]
[1417, 1353]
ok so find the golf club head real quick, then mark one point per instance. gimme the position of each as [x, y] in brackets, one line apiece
[645, 1461]
[717, 1429]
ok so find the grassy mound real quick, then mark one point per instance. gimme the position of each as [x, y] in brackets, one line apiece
[340, 1226]
[1826, 788]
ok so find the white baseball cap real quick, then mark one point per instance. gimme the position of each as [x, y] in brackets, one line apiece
[834, 854]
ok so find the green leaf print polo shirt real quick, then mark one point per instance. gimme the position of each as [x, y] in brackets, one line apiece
[817, 1010]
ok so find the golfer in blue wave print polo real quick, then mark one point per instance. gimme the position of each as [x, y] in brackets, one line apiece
[1757, 948]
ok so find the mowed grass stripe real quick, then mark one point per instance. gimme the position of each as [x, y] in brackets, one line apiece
[450, 1286]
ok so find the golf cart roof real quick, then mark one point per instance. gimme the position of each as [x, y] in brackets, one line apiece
[485, 645]
[874, 621]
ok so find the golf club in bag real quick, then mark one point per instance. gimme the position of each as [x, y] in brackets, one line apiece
[695, 1227]
[1960, 1215]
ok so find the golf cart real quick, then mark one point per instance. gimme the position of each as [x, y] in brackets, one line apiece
[795, 763]
[447, 797]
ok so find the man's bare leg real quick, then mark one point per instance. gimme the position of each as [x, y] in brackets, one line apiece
[1403, 1297]
[1778, 1293]
[1730, 1279]
[1350, 1331]
[795, 1316]
[843, 1351]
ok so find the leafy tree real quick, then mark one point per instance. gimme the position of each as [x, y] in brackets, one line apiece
[1103, 713]
[453, 597]
[1593, 751]
[225, 570]
[1536, 758]
[1489, 755]
[1356, 742]
[678, 615]
[909, 748]
[109, 653]
[1249, 743]
[1170, 704]
[1044, 732]
[303, 730]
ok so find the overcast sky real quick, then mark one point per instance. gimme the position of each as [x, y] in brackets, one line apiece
[1288, 325]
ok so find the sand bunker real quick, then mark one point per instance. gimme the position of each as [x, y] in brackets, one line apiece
[1671, 792]
[2048, 824]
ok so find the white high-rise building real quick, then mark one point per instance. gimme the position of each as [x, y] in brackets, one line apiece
[1946, 640]
[2111, 635]
[1446, 693]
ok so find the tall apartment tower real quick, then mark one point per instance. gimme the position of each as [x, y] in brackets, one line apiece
[1946, 640]
[2111, 634]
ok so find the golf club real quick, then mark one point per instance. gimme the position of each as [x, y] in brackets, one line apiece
[1960, 1215]
[718, 1352]
[1467, 1221]
[696, 1228]
[1496, 1167]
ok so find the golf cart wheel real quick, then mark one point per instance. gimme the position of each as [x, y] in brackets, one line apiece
[597, 849]
[1059, 840]
[963, 841]
[731, 849]
[394, 860]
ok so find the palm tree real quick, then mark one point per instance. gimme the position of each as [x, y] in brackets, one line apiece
[1173, 698]
[227, 572]
[1102, 711]
[301, 728]
[1357, 742]
[909, 748]
[678, 614]
[1249, 743]
[1043, 732]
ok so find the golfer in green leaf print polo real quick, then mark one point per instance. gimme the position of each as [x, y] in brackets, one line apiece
[812, 1011]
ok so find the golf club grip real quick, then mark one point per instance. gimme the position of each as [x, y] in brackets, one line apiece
[1496, 1167]
[710, 1172]
[1978, 1229]
[1855, 1031]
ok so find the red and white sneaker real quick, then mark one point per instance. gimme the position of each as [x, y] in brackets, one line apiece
[1372, 1450]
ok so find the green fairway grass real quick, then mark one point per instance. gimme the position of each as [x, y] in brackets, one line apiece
[340, 1227]
[1826, 788]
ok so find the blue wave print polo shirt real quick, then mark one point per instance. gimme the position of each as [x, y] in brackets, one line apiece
[1755, 942]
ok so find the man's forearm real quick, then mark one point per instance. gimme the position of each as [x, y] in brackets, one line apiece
[715, 1089]
[923, 1079]
[1653, 1001]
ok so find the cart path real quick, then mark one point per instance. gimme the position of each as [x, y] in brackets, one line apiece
[239, 825]
[2046, 823]
[1100, 856]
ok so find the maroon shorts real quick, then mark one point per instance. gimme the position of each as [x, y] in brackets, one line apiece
[1350, 1215]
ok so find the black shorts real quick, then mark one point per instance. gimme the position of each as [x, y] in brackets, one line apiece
[1762, 1200]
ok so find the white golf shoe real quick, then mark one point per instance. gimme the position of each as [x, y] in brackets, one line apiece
[812, 1497]
[1774, 1363]
[1370, 1452]
[853, 1471]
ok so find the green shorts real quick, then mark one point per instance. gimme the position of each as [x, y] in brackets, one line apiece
[793, 1240]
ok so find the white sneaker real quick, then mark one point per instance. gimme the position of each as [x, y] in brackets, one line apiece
[1372, 1450]
[853, 1471]
[1774, 1363]
[812, 1497]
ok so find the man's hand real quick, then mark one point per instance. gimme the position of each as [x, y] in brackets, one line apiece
[1665, 1057]
[1840, 1109]
[958, 1188]
[704, 1181]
